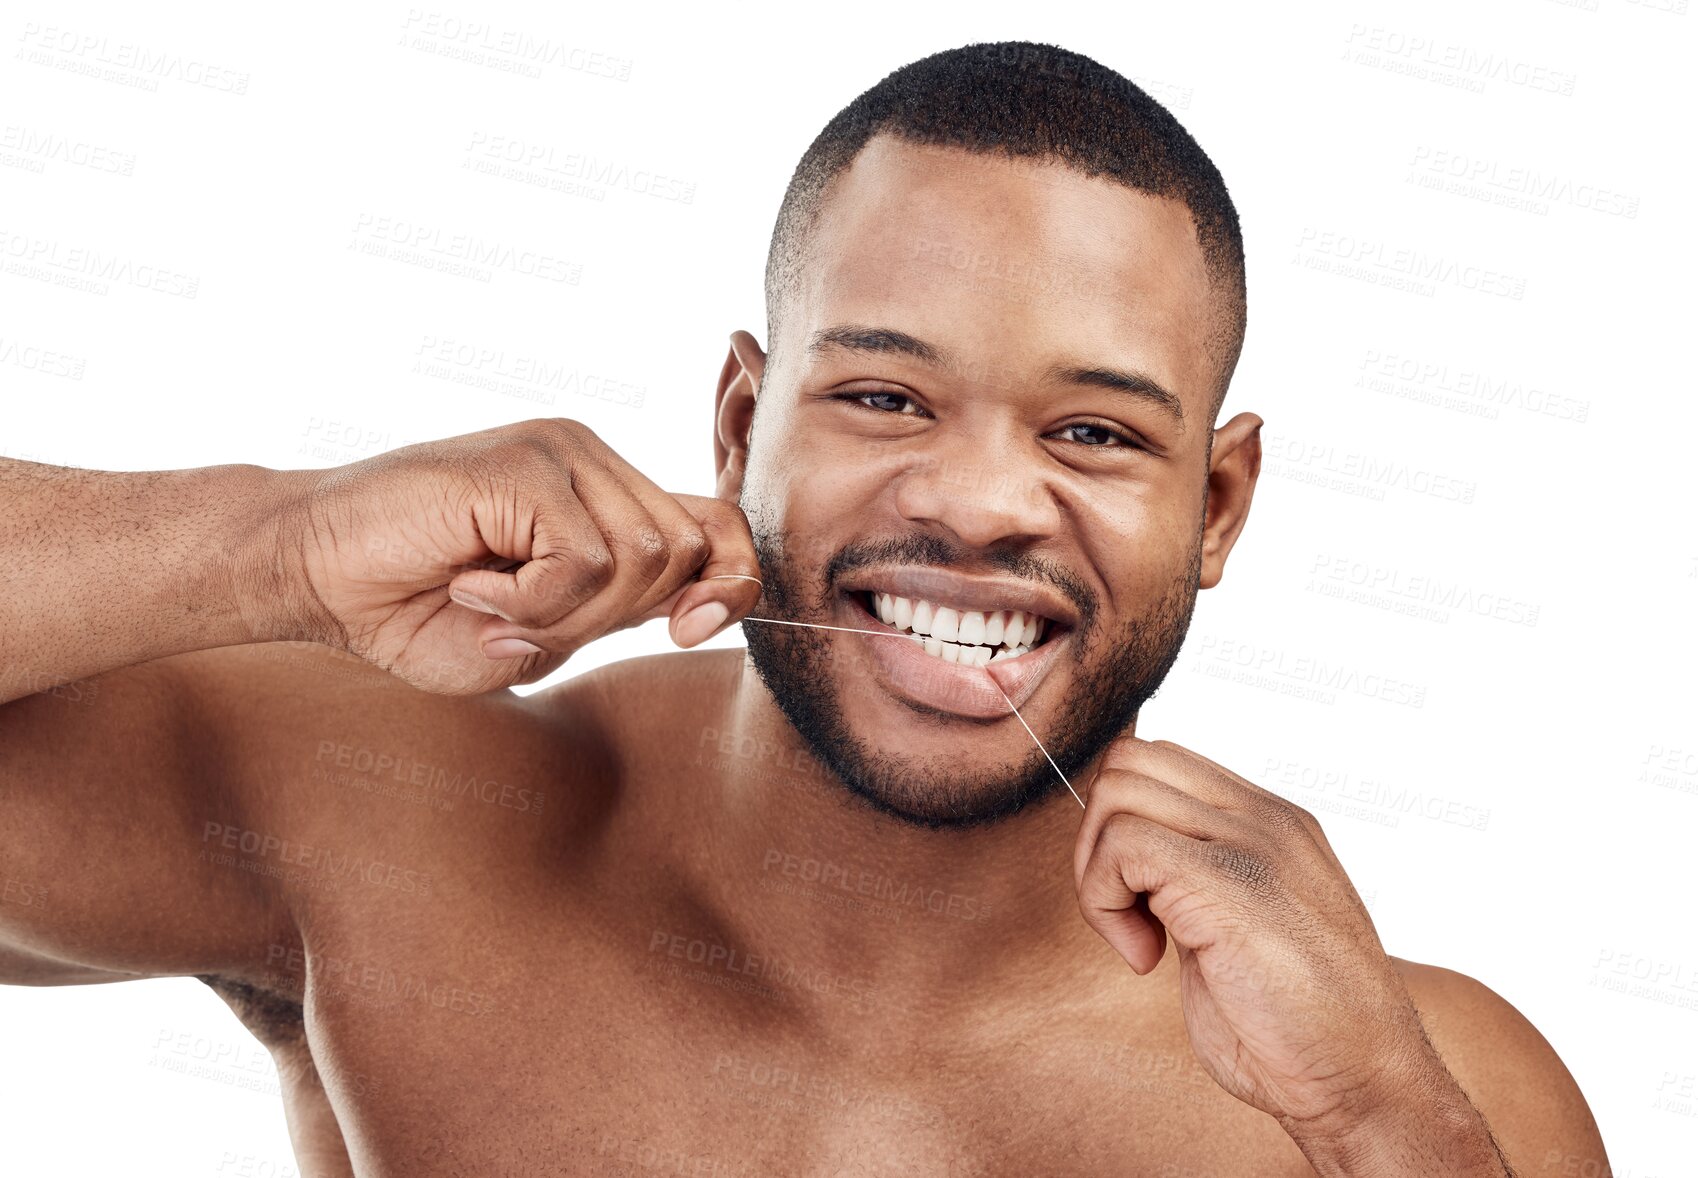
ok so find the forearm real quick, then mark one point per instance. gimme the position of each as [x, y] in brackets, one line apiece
[1435, 1129]
[104, 569]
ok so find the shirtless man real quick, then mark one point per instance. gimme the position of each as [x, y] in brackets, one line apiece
[812, 910]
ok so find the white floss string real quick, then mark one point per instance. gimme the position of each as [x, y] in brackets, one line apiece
[1041, 747]
[912, 638]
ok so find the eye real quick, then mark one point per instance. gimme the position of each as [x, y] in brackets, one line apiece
[885, 402]
[1087, 434]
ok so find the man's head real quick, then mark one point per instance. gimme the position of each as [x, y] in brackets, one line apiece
[1005, 299]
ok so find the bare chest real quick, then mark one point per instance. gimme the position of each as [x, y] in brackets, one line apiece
[496, 1051]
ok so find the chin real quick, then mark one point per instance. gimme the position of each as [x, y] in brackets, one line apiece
[940, 793]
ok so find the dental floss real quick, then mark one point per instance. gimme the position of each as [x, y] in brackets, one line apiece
[845, 629]
[1041, 747]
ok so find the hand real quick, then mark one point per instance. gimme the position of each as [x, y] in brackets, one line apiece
[485, 560]
[1289, 999]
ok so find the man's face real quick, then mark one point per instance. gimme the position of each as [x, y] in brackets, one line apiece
[965, 416]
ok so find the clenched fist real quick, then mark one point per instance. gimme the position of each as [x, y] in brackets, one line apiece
[481, 561]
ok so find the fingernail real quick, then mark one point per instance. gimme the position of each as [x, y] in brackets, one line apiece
[471, 602]
[509, 648]
[700, 623]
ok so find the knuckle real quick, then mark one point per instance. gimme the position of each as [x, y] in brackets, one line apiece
[1285, 819]
[560, 428]
[525, 463]
[595, 565]
[1304, 818]
[1249, 869]
[648, 550]
[1133, 754]
[1122, 755]
[543, 442]
[692, 544]
[1115, 781]
[732, 522]
[1121, 830]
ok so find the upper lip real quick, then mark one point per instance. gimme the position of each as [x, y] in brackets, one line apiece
[958, 591]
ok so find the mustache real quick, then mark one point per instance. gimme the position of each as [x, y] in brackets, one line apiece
[937, 551]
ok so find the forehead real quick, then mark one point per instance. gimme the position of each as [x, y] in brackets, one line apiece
[1014, 263]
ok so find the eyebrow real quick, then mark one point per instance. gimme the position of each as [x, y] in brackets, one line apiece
[887, 340]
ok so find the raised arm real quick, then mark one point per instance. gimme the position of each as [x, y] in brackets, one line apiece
[105, 569]
[129, 603]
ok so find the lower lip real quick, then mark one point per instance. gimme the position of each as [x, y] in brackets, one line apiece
[925, 679]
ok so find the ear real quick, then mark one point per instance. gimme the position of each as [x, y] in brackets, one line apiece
[1235, 459]
[734, 412]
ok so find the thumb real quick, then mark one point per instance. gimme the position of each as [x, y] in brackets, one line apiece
[729, 582]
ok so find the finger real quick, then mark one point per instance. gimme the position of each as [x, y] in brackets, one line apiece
[661, 609]
[689, 545]
[1128, 791]
[1268, 810]
[566, 562]
[677, 517]
[1130, 858]
[1102, 815]
[1192, 772]
[728, 585]
[574, 597]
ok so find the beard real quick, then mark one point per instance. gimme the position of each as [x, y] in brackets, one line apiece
[1126, 667]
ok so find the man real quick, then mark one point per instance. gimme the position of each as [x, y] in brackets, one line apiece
[816, 910]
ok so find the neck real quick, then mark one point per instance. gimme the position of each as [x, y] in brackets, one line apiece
[799, 868]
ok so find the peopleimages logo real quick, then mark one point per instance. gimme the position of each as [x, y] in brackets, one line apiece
[87, 269]
[35, 149]
[512, 50]
[465, 248]
[87, 52]
[291, 852]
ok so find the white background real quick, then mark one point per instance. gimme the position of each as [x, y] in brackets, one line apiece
[1498, 439]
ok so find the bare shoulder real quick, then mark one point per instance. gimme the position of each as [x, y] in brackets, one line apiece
[633, 700]
[1509, 1070]
[325, 760]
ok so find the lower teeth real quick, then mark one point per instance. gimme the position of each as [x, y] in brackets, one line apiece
[955, 652]
[970, 656]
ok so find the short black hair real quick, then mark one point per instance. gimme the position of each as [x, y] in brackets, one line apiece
[1033, 100]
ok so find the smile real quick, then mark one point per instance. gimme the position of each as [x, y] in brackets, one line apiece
[976, 643]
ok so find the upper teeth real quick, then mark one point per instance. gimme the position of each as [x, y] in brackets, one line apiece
[968, 636]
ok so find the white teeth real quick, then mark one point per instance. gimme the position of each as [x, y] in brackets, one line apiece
[946, 624]
[1012, 627]
[969, 638]
[972, 627]
[904, 611]
[922, 617]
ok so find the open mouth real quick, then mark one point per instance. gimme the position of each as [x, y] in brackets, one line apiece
[966, 637]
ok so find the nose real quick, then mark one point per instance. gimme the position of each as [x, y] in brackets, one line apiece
[984, 494]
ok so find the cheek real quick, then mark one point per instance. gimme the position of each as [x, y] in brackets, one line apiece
[820, 502]
[1140, 553]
